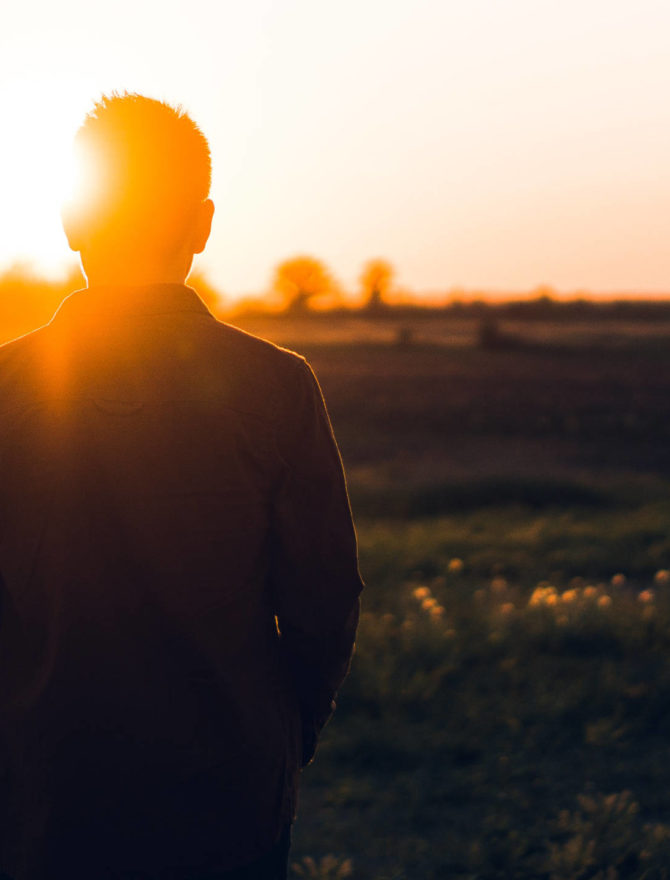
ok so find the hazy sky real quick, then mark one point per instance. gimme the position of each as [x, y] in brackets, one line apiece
[482, 143]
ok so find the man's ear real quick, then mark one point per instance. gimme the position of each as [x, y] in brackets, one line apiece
[202, 225]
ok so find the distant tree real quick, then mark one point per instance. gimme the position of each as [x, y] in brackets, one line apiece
[300, 280]
[544, 294]
[455, 302]
[376, 281]
[206, 291]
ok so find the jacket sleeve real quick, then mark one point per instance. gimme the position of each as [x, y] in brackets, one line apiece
[315, 577]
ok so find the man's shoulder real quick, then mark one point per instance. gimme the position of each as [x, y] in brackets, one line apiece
[21, 354]
[257, 346]
[255, 373]
[259, 356]
[259, 376]
[22, 346]
[21, 365]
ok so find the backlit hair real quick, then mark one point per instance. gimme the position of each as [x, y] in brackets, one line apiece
[142, 165]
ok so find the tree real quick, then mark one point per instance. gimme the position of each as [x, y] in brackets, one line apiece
[301, 279]
[376, 281]
[206, 291]
[544, 295]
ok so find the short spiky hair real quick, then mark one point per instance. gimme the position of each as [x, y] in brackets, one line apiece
[141, 155]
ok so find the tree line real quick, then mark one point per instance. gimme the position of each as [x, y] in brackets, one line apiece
[304, 285]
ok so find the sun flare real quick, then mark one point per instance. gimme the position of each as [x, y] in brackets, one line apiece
[37, 170]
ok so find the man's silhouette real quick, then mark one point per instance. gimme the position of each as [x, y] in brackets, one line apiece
[179, 583]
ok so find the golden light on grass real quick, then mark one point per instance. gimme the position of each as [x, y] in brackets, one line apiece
[541, 595]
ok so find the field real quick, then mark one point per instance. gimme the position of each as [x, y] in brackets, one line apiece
[508, 710]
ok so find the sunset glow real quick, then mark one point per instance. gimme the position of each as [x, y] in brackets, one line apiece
[36, 171]
[478, 145]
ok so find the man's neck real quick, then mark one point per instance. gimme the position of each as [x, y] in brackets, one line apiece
[126, 272]
[139, 279]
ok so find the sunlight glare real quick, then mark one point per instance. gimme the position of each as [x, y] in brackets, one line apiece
[37, 169]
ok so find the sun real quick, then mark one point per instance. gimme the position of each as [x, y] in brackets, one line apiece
[40, 120]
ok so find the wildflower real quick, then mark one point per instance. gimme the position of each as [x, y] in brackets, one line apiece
[646, 596]
[507, 608]
[541, 594]
[569, 595]
[329, 866]
[436, 612]
[429, 603]
[552, 599]
[590, 592]
[421, 593]
[618, 580]
[455, 566]
[604, 601]
[662, 577]
[498, 584]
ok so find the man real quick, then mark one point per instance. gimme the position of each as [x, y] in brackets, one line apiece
[179, 579]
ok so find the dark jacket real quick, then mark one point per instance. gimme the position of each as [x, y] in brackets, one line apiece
[179, 591]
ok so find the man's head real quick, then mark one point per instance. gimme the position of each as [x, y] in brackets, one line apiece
[140, 209]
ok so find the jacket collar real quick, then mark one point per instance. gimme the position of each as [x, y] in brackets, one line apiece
[149, 299]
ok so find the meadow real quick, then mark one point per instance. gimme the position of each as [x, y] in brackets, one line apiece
[507, 714]
[508, 710]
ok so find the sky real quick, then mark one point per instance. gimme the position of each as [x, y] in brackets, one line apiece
[477, 144]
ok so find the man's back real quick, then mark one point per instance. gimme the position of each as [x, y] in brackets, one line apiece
[170, 497]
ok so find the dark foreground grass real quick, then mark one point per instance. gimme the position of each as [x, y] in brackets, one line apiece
[508, 710]
[512, 718]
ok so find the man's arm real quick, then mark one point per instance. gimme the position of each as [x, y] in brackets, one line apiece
[315, 574]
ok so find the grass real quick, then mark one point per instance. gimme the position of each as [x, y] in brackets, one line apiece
[512, 721]
[485, 734]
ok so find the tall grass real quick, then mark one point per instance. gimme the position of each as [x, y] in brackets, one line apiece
[505, 715]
